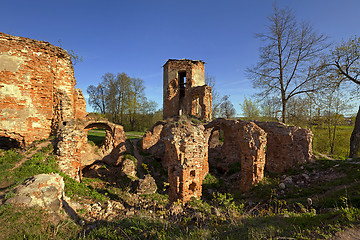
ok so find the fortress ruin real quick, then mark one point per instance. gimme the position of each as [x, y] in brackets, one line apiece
[38, 99]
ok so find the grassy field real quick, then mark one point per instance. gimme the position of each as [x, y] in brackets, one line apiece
[342, 141]
[98, 135]
[134, 134]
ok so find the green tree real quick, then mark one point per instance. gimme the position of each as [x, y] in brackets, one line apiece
[137, 100]
[289, 59]
[250, 109]
[122, 99]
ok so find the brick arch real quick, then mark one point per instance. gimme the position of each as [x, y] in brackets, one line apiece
[114, 133]
[100, 125]
[244, 142]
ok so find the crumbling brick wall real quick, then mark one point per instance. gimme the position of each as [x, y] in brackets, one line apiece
[37, 89]
[244, 142]
[287, 146]
[186, 149]
[187, 160]
[80, 105]
[152, 143]
[73, 151]
[185, 92]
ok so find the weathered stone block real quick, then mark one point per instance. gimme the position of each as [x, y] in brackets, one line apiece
[43, 190]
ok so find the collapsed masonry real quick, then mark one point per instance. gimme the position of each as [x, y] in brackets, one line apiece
[38, 98]
[75, 152]
[185, 92]
[188, 149]
[37, 90]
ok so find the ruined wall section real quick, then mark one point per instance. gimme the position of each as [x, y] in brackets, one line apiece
[287, 147]
[186, 155]
[37, 88]
[244, 143]
[192, 101]
[201, 102]
[80, 105]
[74, 152]
[71, 141]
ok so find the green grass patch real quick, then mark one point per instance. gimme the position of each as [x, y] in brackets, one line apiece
[78, 190]
[97, 136]
[134, 134]
[8, 159]
[34, 223]
[342, 140]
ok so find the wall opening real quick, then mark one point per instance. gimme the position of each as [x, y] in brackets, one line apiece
[192, 186]
[192, 173]
[97, 136]
[7, 143]
[182, 86]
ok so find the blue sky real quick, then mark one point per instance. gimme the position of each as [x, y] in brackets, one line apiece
[137, 37]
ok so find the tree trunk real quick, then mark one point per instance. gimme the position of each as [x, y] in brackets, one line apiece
[283, 112]
[355, 137]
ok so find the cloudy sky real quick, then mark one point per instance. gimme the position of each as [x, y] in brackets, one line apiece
[137, 37]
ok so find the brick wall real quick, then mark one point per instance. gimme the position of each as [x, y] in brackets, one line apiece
[37, 89]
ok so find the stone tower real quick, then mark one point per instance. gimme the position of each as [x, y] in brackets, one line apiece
[185, 92]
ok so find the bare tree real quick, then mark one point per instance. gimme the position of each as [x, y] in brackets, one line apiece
[226, 107]
[335, 105]
[216, 99]
[97, 97]
[270, 108]
[289, 58]
[345, 63]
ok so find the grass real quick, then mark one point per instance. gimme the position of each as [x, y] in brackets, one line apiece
[134, 134]
[342, 141]
[97, 136]
[34, 223]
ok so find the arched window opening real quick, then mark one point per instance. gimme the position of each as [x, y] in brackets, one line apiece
[97, 136]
